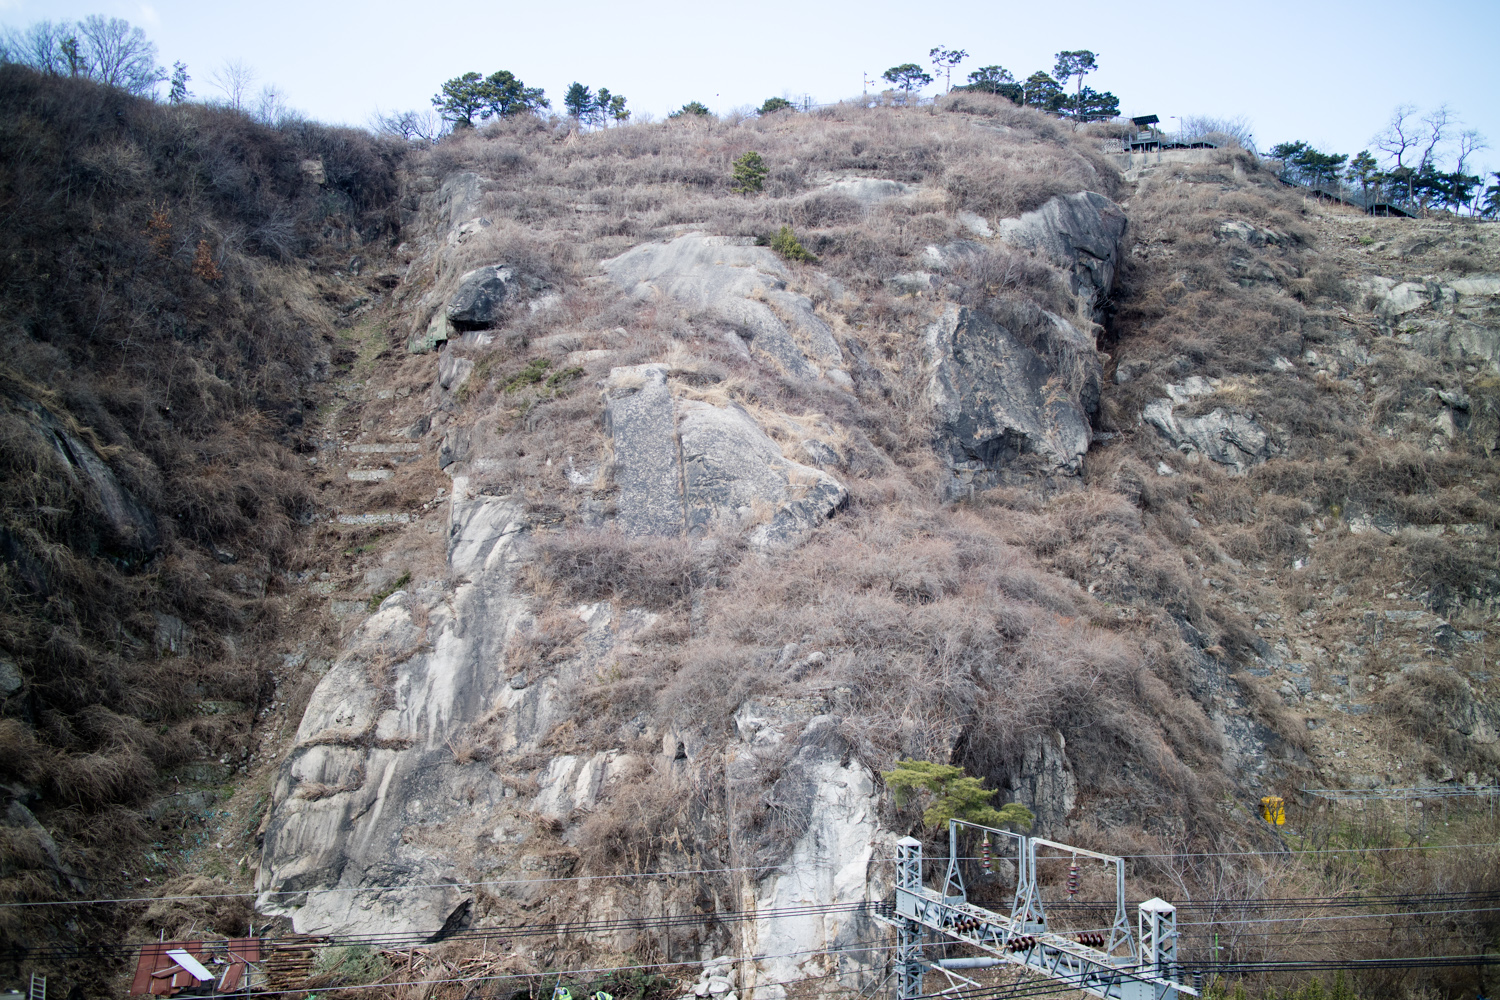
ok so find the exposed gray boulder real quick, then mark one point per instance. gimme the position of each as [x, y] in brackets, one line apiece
[739, 284]
[127, 525]
[10, 677]
[459, 198]
[1458, 321]
[683, 465]
[1251, 234]
[437, 333]
[453, 371]
[999, 407]
[1225, 436]
[639, 418]
[912, 282]
[950, 255]
[575, 784]
[733, 473]
[1081, 233]
[479, 303]
[483, 294]
[1043, 780]
[869, 190]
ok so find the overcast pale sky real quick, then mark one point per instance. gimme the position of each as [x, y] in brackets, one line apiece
[1326, 72]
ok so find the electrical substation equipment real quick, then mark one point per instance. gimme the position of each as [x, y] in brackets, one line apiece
[1111, 959]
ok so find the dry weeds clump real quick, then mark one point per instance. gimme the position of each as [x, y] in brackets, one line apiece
[162, 323]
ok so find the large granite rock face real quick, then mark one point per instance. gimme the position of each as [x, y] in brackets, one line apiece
[1081, 233]
[683, 465]
[832, 802]
[741, 285]
[368, 793]
[1000, 408]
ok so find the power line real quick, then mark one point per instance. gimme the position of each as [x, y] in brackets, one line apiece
[504, 932]
[387, 888]
[1232, 968]
[124, 900]
[564, 973]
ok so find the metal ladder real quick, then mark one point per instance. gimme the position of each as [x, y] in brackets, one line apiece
[38, 987]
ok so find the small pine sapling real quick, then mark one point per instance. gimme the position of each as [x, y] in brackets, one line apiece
[785, 242]
[177, 91]
[750, 173]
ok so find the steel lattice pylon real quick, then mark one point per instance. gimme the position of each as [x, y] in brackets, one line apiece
[1111, 967]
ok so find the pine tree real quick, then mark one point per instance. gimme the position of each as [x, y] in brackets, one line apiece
[907, 76]
[579, 100]
[505, 96]
[1041, 91]
[617, 109]
[749, 173]
[692, 109]
[1079, 63]
[1363, 170]
[955, 795]
[177, 92]
[1089, 105]
[461, 99]
[996, 80]
[775, 104]
[944, 59]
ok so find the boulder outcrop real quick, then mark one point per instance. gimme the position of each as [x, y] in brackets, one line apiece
[687, 466]
[479, 303]
[1081, 233]
[744, 287]
[484, 292]
[1000, 408]
[1222, 435]
[1458, 320]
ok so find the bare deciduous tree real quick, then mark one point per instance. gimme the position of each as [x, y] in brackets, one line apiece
[1400, 135]
[425, 127]
[108, 50]
[39, 46]
[1236, 129]
[119, 55]
[234, 79]
[1437, 125]
[270, 106]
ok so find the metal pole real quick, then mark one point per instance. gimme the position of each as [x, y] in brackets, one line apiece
[909, 932]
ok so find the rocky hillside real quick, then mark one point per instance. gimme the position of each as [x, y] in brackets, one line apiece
[650, 520]
[1136, 497]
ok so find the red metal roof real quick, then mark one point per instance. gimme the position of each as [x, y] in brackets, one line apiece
[157, 974]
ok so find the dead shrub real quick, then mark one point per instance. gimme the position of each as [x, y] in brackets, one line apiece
[598, 565]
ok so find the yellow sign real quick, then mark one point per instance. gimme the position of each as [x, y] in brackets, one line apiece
[1273, 809]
